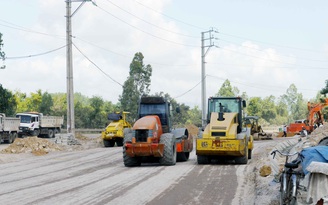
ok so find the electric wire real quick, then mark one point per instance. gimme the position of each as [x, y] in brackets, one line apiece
[17, 27]
[259, 86]
[164, 29]
[186, 23]
[173, 42]
[97, 66]
[190, 89]
[302, 58]
[304, 66]
[34, 55]
[127, 56]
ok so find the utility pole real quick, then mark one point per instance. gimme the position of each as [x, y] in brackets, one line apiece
[206, 37]
[69, 66]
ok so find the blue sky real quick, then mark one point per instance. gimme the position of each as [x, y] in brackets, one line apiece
[264, 46]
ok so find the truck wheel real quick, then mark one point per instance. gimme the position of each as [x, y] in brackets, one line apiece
[8, 140]
[56, 131]
[35, 133]
[170, 153]
[182, 156]
[12, 138]
[203, 159]
[130, 161]
[243, 159]
[50, 133]
[119, 142]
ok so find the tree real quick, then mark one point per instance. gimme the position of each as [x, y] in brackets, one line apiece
[227, 90]
[2, 53]
[195, 116]
[97, 117]
[136, 85]
[324, 90]
[254, 106]
[268, 109]
[296, 106]
[34, 101]
[7, 102]
[46, 104]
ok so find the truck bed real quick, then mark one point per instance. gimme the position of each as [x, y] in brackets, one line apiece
[51, 121]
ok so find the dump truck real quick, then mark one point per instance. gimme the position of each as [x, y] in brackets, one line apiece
[114, 132]
[224, 136]
[256, 129]
[9, 127]
[37, 124]
[152, 138]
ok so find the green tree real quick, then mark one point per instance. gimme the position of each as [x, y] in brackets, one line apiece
[97, 116]
[7, 102]
[268, 111]
[2, 53]
[227, 90]
[296, 105]
[254, 106]
[195, 116]
[136, 85]
[46, 104]
[34, 101]
[324, 90]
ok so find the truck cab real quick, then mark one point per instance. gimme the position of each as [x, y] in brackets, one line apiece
[29, 124]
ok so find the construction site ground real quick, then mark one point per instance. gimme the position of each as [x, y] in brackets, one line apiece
[38, 171]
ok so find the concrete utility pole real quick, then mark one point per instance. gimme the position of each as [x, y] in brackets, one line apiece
[209, 38]
[69, 66]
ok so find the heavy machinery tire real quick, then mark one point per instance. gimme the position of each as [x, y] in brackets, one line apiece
[119, 142]
[109, 143]
[243, 159]
[130, 161]
[249, 154]
[9, 140]
[203, 159]
[170, 153]
[182, 156]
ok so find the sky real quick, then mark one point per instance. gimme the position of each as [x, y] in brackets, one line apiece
[261, 47]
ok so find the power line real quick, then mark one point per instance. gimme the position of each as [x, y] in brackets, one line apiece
[188, 24]
[17, 27]
[305, 66]
[189, 89]
[259, 86]
[126, 56]
[244, 38]
[34, 55]
[276, 54]
[181, 44]
[164, 29]
[97, 66]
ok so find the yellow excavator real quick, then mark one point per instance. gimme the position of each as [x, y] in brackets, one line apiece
[225, 136]
[256, 129]
[114, 132]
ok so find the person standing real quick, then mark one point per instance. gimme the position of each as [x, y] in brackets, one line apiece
[285, 131]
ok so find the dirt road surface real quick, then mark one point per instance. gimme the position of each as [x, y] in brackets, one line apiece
[97, 176]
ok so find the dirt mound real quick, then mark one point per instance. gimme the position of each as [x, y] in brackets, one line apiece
[193, 130]
[34, 145]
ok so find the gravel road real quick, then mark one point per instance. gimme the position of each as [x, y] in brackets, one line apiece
[98, 176]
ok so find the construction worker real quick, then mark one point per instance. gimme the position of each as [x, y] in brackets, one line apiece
[304, 132]
[285, 131]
